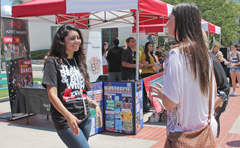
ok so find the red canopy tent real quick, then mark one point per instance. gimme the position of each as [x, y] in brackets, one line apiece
[95, 13]
[111, 14]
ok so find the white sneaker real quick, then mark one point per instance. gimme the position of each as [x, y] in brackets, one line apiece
[233, 94]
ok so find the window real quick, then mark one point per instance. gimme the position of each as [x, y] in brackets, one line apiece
[53, 31]
[109, 34]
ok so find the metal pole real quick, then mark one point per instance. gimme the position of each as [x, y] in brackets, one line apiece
[208, 41]
[0, 39]
[137, 50]
[220, 40]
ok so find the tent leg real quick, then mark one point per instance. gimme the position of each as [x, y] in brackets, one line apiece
[220, 39]
[208, 42]
[137, 50]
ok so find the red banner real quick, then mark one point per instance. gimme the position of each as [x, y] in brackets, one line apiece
[25, 67]
[11, 39]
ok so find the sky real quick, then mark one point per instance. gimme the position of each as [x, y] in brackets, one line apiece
[6, 2]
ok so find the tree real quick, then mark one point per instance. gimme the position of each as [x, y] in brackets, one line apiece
[221, 13]
[15, 2]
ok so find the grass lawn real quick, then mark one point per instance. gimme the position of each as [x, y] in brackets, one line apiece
[4, 93]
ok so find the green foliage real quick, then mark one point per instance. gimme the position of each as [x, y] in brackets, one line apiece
[15, 2]
[221, 13]
[39, 54]
[165, 46]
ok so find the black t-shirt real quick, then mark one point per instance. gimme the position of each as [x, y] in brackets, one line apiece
[129, 57]
[69, 82]
[221, 78]
[114, 59]
[159, 54]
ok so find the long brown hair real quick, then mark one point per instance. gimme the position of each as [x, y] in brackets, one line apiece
[188, 35]
[58, 50]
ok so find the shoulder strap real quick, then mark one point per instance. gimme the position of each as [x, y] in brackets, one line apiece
[210, 96]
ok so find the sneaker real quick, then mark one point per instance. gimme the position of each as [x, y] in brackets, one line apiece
[233, 94]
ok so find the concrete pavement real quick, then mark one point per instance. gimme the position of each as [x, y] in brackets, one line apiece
[41, 133]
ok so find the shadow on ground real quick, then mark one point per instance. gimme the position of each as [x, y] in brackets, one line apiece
[234, 143]
[35, 121]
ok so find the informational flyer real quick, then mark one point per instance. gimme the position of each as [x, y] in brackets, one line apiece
[123, 106]
[96, 93]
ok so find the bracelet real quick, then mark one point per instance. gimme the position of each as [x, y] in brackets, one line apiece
[90, 104]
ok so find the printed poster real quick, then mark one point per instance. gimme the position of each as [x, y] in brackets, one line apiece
[16, 54]
[96, 93]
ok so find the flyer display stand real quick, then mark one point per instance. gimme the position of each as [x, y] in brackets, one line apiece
[123, 106]
[96, 94]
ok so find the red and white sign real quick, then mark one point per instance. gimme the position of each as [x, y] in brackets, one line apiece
[25, 67]
[11, 39]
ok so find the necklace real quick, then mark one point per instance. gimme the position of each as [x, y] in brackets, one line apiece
[70, 64]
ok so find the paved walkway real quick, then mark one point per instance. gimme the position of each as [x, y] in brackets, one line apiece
[40, 132]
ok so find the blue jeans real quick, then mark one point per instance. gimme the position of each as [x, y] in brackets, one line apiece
[114, 76]
[77, 141]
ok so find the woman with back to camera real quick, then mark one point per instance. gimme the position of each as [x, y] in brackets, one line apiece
[66, 79]
[188, 77]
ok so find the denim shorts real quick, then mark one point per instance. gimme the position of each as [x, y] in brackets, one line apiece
[237, 70]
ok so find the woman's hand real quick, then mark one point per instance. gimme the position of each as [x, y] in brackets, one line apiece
[227, 63]
[145, 64]
[233, 65]
[157, 90]
[73, 123]
[167, 103]
[99, 114]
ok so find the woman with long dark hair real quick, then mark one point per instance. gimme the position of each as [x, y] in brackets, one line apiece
[66, 79]
[149, 68]
[187, 86]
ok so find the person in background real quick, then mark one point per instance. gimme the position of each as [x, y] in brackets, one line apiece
[235, 67]
[187, 75]
[129, 60]
[124, 46]
[149, 68]
[158, 55]
[223, 87]
[217, 53]
[115, 62]
[105, 48]
[66, 79]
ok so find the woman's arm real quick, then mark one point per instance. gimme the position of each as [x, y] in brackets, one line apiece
[71, 119]
[168, 104]
[94, 104]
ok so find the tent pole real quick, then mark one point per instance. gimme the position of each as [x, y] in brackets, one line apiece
[0, 38]
[220, 39]
[208, 42]
[137, 50]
